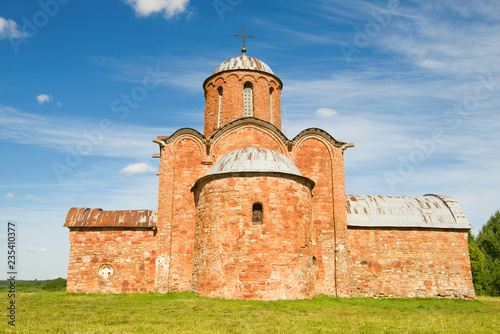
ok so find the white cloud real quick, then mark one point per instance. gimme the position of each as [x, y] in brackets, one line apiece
[325, 112]
[187, 71]
[427, 35]
[138, 168]
[168, 8]
[41, 250]
[9, 195]
[29, 196]
[59, 104]
[44, 98]
[8, 29]
[59, 133]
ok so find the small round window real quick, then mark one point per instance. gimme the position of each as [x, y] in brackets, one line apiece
[105, 271]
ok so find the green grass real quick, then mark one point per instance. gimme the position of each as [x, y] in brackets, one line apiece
[60, 312]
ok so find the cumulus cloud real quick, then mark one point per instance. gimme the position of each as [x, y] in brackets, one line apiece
[8, 29]
[138, 168]
[59, 104]
[325, 112]
[41, 250]
[29, 196]
[168, 8]
[9, 195]
[44, 98]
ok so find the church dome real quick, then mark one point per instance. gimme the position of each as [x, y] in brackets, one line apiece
[253, 159]
[243, 62]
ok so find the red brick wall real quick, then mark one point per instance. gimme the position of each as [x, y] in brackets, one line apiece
[246, 136]
[131, 254]
[183, 162]
[410, 263]
[235, 259]
[232, 98]
[322, 162]
[180, 168]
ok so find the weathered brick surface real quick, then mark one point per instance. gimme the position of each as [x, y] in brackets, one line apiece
[183, 162]
[205, 240]
[232, 98]
[131, 254]
[179, 171]
[410, 263]
[246, 136]
[323, 162]
[236, 259]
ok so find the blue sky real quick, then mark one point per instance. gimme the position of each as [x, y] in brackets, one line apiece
[86, 85]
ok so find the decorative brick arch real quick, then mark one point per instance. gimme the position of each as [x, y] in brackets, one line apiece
[217, 82]
[198, 142]
[276, 140]
[229, 75]
[186, 132]
[319, 133]
[248, 78]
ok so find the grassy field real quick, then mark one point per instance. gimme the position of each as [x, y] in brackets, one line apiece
[59, 312]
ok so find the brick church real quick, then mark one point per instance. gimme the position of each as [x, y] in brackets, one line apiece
[246, 213]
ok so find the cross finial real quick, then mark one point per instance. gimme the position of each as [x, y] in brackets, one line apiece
[244, 49]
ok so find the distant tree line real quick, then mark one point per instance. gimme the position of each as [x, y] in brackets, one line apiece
[58, 284]
[484, 251]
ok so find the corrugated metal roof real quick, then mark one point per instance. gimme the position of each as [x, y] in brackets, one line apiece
[91, 218]
[429, 211]
[243, 62]
[253, 159]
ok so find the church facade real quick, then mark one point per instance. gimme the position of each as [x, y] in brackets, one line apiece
[246, 213]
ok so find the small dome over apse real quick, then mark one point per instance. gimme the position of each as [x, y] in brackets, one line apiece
[251, 159]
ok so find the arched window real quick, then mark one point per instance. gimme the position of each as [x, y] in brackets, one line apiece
[257, 214]
[248, 99]
[314, 260]
[271, 93]
[219, 115]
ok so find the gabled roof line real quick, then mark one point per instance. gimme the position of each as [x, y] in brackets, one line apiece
[252, 120]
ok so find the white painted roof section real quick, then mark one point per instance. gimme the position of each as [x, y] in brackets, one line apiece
[429, 211]
[243, 62]
[253, 159]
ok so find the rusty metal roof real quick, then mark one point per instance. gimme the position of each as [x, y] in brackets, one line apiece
[91, 218]
[429, 211]
[253, 159]
[243, 62]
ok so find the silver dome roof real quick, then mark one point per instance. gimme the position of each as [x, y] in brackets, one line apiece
[243, 62]
[253, 159]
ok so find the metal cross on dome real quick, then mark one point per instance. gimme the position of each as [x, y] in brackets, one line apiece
[244, 49]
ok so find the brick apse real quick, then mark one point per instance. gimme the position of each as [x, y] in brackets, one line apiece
[246, 213]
